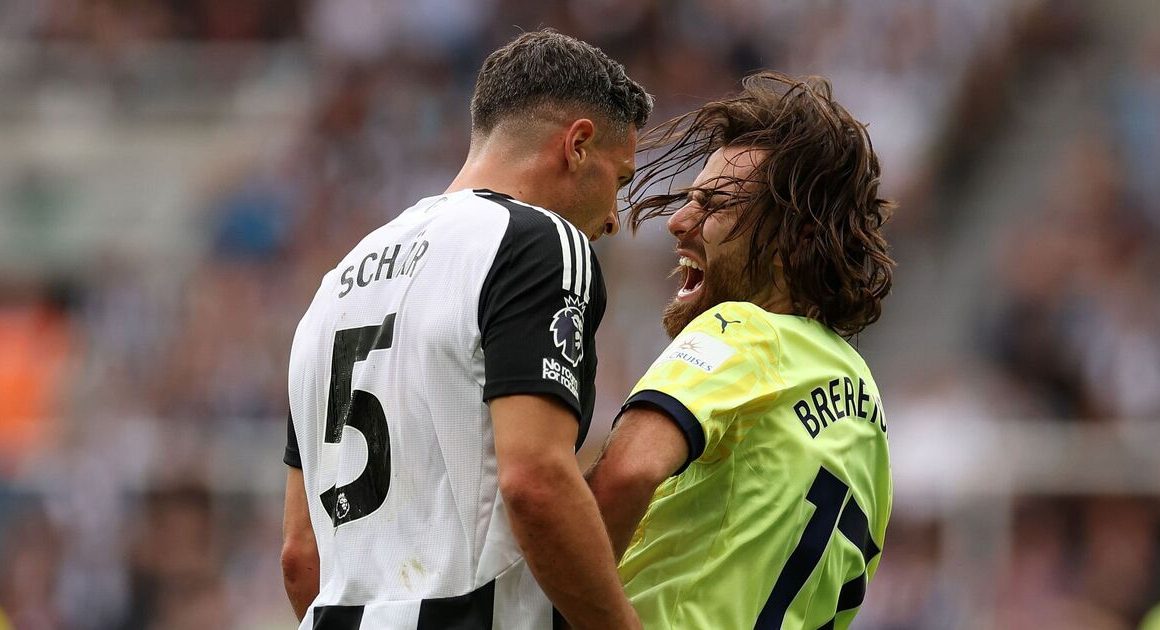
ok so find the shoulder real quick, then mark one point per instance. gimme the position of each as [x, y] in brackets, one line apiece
[749, 322]
[528, 221]
[742, 331]
[735, 323]
[538, 241]
[747, 314]
[802, 334]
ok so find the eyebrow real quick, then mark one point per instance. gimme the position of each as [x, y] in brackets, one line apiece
[694, 192]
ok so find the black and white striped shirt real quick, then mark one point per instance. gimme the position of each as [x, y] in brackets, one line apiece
[462, 298]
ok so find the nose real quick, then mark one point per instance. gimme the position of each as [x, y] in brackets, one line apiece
[612, 222]
[684, 221]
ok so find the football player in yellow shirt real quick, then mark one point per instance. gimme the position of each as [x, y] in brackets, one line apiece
[749, 476]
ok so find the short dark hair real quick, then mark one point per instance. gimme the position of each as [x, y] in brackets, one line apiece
[812, 201]
[546, 67]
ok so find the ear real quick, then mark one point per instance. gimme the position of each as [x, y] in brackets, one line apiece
[578, 143]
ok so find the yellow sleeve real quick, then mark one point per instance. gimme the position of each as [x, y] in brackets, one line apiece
[720, 364]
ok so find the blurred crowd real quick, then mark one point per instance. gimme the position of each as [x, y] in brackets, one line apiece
[142, 402]
[1064, 327]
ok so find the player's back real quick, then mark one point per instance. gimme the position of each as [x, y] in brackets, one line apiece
[779, 520]
[386, 374]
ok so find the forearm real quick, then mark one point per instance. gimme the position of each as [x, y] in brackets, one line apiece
[644, 450]
[300, 562]
[559, 530]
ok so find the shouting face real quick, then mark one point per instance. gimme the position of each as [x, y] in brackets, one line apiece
[712, 265]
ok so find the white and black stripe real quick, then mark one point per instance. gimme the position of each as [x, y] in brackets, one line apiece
[482, 609]
[575, 250]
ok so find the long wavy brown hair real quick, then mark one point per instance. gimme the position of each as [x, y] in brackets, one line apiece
[812, 202]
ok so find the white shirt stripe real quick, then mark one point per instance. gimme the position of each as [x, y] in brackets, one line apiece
[586, 259]
[567, 255]
[579, 271]
[576, 254]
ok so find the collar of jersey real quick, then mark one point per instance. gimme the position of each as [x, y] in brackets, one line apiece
[488, 191]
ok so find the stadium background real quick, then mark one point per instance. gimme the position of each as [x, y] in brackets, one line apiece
[176, 175]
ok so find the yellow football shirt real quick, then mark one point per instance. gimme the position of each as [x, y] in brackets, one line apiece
[778, 517]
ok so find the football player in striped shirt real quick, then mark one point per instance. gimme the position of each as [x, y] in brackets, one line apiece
[443, 376]
[748, 476]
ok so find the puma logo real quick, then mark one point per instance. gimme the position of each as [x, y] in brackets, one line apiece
[724, 322]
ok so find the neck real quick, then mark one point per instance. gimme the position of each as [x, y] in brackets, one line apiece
[779, 304]
[484, 174]
[775, 298]
[495, 164]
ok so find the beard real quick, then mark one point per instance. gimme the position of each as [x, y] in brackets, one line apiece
[725, 281]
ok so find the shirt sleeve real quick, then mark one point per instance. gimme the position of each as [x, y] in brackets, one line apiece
[291, 456]
[539, 308]
[716, 369]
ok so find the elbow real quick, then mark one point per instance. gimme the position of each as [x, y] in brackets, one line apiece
[527, 488]
[299, 563]
[300, 573]
[611, 481]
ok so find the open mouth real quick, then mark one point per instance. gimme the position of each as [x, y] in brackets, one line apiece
[694, 278]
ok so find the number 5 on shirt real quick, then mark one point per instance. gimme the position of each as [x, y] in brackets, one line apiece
[359, 410]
